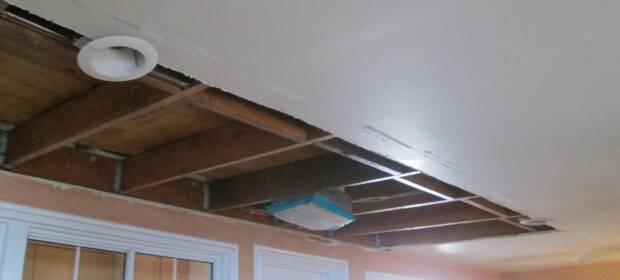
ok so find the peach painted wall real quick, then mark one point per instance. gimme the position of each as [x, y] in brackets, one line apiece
[603, 271]
[77, 201]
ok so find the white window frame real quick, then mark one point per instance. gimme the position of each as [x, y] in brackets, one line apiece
[336, 269]
[19, 223]
[371, 275]
[2, 245]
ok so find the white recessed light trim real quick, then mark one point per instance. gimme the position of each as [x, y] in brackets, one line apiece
[117, 58]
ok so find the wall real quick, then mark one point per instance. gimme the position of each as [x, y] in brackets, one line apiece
[602, 271]
[88, 203]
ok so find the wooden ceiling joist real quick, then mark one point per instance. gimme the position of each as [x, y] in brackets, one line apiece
[231, 144]
[290, 180]
[401, 173]
[74, 167]
[404, 201]
[82, 168]
[498, 210]
[267, 161]
[443, 234]
[381, 189]
[415, 217]
[96, 110]
[185, 193]
[453, 233]
[388, 195]
[491, 207]
[433, 186]
[371, 159]
[244, 111]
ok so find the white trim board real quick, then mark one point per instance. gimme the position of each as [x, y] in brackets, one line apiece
[371, 275]
[335, 269]
[2, 244]
[22, 223]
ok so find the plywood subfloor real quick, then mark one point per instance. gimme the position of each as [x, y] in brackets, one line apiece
[37, 73]
[169, 124]
[265, 162]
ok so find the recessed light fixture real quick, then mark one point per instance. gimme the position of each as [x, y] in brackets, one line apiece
[117, 58]
[534, 221]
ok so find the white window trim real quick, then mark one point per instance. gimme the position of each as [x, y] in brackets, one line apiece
[266, 256]
[20, 223]
[371, 275]
[2, 245]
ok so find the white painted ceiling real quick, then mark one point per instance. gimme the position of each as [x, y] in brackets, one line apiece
[515, 100]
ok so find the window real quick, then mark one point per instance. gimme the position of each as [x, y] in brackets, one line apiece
[192, 270]
[50, 261]
[37, 244]
[100, 265]
[149, 267]
[276, 264]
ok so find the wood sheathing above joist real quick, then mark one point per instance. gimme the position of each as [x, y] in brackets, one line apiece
[155, 141]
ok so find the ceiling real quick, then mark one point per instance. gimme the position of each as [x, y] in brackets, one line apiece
[513, 100]
[197, 147]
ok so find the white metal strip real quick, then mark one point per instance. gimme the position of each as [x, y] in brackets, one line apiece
[130, 260]
[174, 269]
[76, 263]
[15, 242]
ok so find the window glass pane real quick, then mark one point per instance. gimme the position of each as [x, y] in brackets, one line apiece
[193, 270]
[48, 261]
[101, 265]
[149, 267]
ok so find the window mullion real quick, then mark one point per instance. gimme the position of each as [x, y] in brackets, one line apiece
[76, 262]
[130, 260]
[15, 240]
[174, 269]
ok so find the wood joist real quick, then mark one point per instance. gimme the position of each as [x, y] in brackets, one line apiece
[444, 214]
[179, 146]
[443, 234]
[93, 111]
[289, 181]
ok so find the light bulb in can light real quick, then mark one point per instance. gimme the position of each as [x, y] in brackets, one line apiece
[117, 58]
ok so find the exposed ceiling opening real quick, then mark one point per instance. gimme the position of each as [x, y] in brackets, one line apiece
[201, 148]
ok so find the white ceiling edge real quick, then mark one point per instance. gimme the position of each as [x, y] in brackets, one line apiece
[513, 100]
[522, 253]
